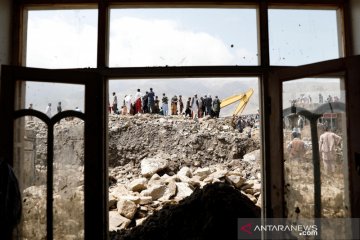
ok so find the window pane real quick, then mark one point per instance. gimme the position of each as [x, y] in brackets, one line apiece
[61, 97]
[30, 166]
[183, 37]
[299, 37]
[315, 138]
[186, 138]
[61, 38]
[69, 179]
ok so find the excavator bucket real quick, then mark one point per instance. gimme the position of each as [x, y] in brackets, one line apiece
[242, 98]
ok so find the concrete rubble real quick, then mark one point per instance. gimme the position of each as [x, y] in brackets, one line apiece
[153, 160]
[156, 161]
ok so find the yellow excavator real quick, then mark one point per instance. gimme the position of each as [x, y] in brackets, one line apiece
[242, 98]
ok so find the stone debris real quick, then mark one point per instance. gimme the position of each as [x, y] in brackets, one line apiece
[149, 166]
[138, 185]
[116, 221]
[209, 213]
[154, 161]
[126, 208]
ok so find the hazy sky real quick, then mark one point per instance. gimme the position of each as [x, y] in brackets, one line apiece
[174, 37]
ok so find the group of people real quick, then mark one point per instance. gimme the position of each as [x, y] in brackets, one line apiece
[48, 110]
[241, 122]
[306, 101]
[150, 103]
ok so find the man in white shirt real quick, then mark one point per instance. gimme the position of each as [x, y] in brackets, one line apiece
[48, 110]
[327, 143]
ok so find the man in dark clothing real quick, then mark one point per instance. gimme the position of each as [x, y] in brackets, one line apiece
[181, 105]
[188, 107]
[151, 101]
[208, 105]
[59, 108]
[156, 105]
[114, 104]
[216, 106]
[145, 102]
[201, 107]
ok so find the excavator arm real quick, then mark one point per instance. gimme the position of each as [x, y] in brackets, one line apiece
[242, 98]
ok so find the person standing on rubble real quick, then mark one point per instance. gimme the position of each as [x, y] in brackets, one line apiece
[181, 105]
[327, 143]
[137, 101]
[48, 110]
[208, 104]
[195, 107]
[174, 101]
[114, 104]
[165, 101]
[188, 107]
[145, 102]
[127, 103]
[31, 107]
[296, 147]
[151, 99]
[201, 107]
[156, 105]
[59, 108]
[216, 106]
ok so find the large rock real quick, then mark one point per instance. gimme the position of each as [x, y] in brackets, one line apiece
[170, 191]
[134, 198]
[116, 221]
[149, 166]
[184, 171]
[218, 174]
[183, 190]
[237, 181]
[138, 185]
[112, 201]
[126, 208]
[119, 190]
[252, 156]
[202, 172]
[145, 200]
[208, 213]
[155, 191]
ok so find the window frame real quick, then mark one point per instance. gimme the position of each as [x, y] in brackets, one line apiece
[261, 71]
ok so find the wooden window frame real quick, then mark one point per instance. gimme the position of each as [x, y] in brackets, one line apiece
[261, 71]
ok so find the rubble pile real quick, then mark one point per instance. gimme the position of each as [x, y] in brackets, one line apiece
[203, 142]
[209, 213]
[155, 161]
[68, 188]
[131, 202]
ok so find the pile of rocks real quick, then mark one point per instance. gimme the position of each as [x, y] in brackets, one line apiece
[133, 200]
[203, 142]
[209, 213]
[154, 161]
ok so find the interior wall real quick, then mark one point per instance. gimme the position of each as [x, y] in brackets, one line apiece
[5, 33]
[355, 17]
